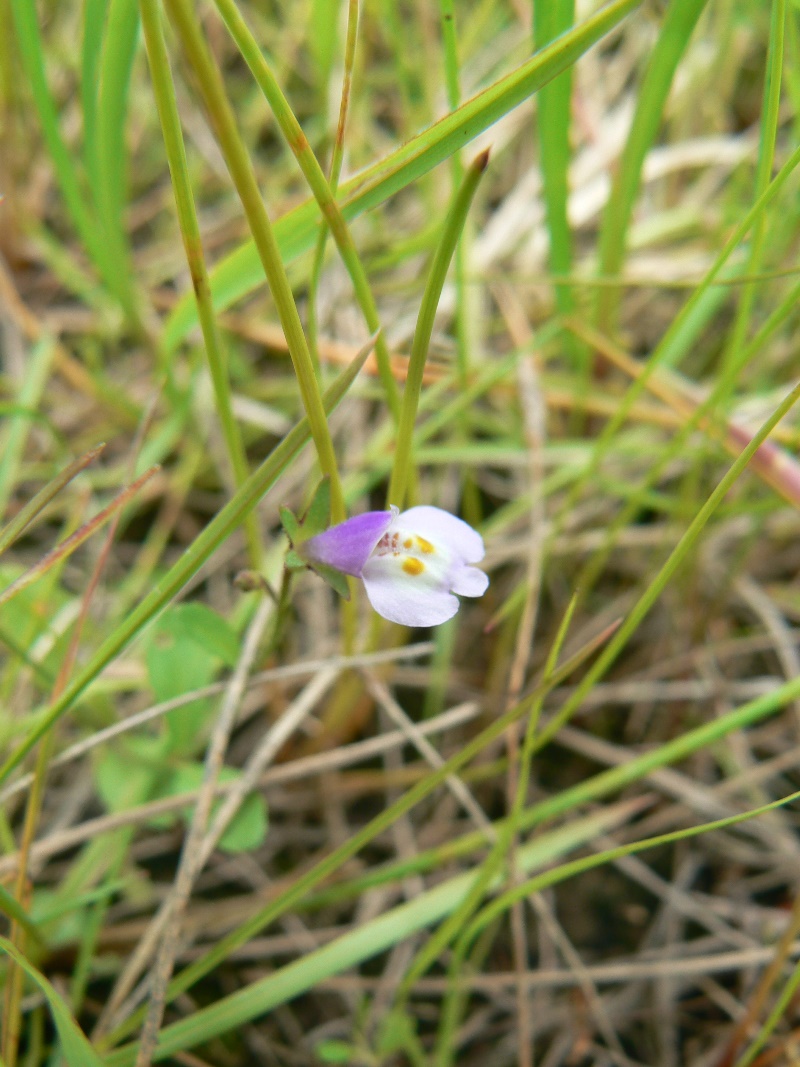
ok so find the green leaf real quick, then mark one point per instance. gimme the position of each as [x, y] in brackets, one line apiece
[294, 562]
[198, 623]
[335, 579]
[290, 523]
[318, 515]
[248, 828]
[188, 645]
[333, 1051]
[316, 519]
[125, 773]
[76, 1049]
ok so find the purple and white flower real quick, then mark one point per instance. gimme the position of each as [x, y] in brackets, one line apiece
[411, 564]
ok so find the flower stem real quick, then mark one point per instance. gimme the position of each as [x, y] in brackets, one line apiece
[453, 225]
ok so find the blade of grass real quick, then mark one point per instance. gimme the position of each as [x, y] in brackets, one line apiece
[766, 156]
[220, 527]
[13, 910]
[495, 909]
[403, 470]
[238, 162]
[68, 546]
[240, 273]
[466, 326]
[37, 372]
[31, 55]
[164, 91]
[116, 65]
[76, 1049]
[26, 515]
[673, 39]
[94, 20]
[553, 122]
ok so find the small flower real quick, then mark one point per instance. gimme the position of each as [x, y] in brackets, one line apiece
[411, 564]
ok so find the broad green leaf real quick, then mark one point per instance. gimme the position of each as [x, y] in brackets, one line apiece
[335, 579]
[318, 515]
[186, 649]
[198, 623]
[333, 1051]
[247, 830]
[290, 524]
[126, 773]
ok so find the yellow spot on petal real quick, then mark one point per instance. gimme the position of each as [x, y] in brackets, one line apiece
[425, 546]
[407, 543]
[413, 566]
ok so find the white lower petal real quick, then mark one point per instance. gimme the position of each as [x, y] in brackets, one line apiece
[411, 600]
[469, 581]
[410, 608]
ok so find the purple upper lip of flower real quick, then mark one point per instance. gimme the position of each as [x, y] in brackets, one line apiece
[348, 546]
[411, 563]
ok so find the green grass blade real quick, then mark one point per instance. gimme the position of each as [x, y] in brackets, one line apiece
[296, 232]
[31, 55]
[335, 172]
[94, 21]
[25, 516]
[679, 23]
[559, 874]
[12, 442]
[166, 103]
[766, 156]
[241, 170]
[75, 1047]
[403, 468]
[553, 121]
[119, 52]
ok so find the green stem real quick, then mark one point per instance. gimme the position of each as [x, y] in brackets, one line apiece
[241, 170]
[453, 225]
[164, 91]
